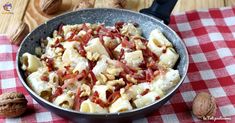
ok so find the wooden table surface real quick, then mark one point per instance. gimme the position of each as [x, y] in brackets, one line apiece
[28, 10]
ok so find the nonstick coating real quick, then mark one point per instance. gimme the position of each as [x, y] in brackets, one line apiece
[108, 17]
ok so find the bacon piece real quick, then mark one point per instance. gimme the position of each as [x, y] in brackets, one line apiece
[126, 43]
[44, 78]
[149, 75]
[126, 68]
[60, 30]
[82, 75]
[145, 92]
[85, 38]
[81, 50]
[157, 98]
[113, 97]
[121, 54]
[57, 93]
[49, 63]
[69, 81]
[78, 100]
[95, 98]
[119, 25]
[93, 77]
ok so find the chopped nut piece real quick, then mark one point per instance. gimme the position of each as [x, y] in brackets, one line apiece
[116, 3]
[114, 70]
[83, 5]
[86, 90]
[110, 77]
[116, 82]
[92, 56]
[131, 79]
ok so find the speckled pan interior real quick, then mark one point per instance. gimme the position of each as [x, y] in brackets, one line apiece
[108, 17]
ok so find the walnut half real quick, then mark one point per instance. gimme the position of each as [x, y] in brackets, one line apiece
[12, 104]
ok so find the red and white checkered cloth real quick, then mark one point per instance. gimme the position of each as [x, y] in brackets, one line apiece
[210, 39]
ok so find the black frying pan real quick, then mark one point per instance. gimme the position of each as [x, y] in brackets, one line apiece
[158, 13]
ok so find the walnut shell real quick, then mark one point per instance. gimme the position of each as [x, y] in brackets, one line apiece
[18, 33]
[116, 3]
[12, 104]
[50, 6]
[83, 5]
[204, 105]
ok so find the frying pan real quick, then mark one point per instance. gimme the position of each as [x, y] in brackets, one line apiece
[148, 20]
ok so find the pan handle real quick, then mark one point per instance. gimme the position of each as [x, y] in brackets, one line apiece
[161, 9]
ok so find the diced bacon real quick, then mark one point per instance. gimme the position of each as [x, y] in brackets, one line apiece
[57, 93]
[121, 54]
[85, 38]
[69, 81]
[71, 37]
[82, 75]
[126, 43]
[49, 63]
[93, 77]
[60, 30]
[157, 97]
[113, 97]
[70, 75]
[44, 78]
[78, 100]
[81, 50]
[119, 25]
[84, 27]
[149, 74]
[126, 68]
[145, 92]
[95, 98]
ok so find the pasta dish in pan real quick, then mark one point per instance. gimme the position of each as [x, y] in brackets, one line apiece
[102, 69]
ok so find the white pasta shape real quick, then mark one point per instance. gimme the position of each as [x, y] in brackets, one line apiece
[169, 58]
[42, 88]
[70, 45]
[159, 39]
[90, 107]
[134, 58]
[81, 64]
[157, 50]
[146, 99]
[101, 65]
[120, 105]
[65, 100]
[67, 28]
[53, 78]
[131, 29]
[102, 89]
[70, 56]
[134, 90]
[95, 45]
[30, 62]
[167, 81]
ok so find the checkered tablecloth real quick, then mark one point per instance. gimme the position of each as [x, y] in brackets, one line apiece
[210, 39]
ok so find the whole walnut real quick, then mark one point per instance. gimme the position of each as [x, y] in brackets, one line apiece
[204, 105]
[116, 3]
[12, 104]
[50, 6]
[83, 5]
